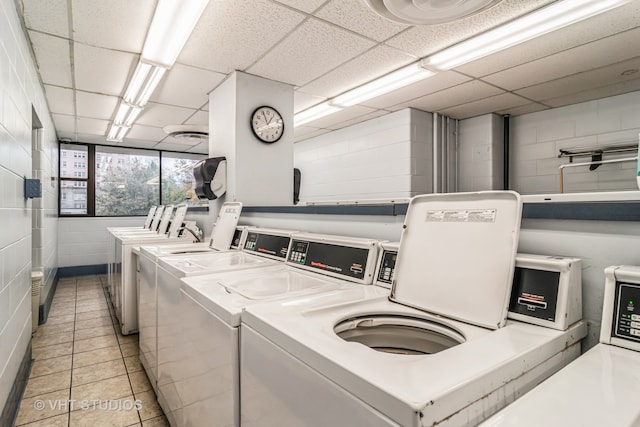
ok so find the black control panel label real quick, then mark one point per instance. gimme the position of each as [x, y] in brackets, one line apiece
[627, 311]
[535, 293]
[387, 266]
[346, 261]
[267, 244]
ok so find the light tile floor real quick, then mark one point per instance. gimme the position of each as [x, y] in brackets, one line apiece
[85, 372]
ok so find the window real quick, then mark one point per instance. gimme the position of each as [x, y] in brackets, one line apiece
[119, 181]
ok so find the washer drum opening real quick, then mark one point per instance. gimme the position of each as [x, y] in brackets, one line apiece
[398, 334]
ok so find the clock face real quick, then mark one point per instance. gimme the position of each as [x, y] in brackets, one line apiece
[267, 124]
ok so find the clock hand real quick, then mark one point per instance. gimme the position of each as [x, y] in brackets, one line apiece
[265, 118]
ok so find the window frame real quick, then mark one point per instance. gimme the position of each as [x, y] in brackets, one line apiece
[91, 176]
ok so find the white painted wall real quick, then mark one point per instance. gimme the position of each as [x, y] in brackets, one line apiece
[537, 137]
[20, 90]
[480, 153]
[383, 158]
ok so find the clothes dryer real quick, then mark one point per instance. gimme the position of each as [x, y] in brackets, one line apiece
[601, 387]
[208, 383]
[438, 351]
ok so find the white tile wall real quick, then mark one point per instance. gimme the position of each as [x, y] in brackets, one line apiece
[480, 153]
[375, 159]
[537, 137]
[20, 92]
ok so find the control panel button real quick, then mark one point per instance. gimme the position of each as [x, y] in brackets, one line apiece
[635, 317]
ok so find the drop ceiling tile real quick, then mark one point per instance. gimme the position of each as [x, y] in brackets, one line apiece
[451, 97]
[427, 39]
[186, 86]
[96, 105]
[92, 138]
[113, 24]
[186, 143]
[60, 99]
[493, 104]
[64, 123]
[357, 17]
[436, 83]
[231, 35]
[52, 56]
[71, 136]
[526, 109]
[311, 50]
[137, 143]
[612, 22]
[592, 94]
[200, 118]
[583, 58]
[308, 133]
[349, 113]
[172, 147]
[302, 101]
[47, 16]
[102, 70]
[160, 115]
[202, 148]
[92, 126]
[592, 79]
[146, 133]
[371, 115]
[369, 66]
[304, 5]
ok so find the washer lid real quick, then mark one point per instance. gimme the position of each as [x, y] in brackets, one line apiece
[457, 255]
[225, 226]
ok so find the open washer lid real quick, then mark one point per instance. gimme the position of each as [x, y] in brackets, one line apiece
[457, 255]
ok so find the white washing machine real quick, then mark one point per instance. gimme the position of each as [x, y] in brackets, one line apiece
[123, 278]
[438, 351]
[208, 382]
[262, 247]
[147, 222]
[386, 265]
[147, 287]
[601, 387]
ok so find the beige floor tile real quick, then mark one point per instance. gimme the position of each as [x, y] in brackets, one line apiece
[58, 328]
[62, 311]
[96, 356]
[57, 421]
[55, 320]
[63, 297]
[156, 422]
[50, 366]
[97, 331]
[48, 383]
[86, 308]
[140, 382]
[133, 364]
[50, 351]
[97, 372]
[89, 298]
[128, 339]
[71, 303]
[149, 405]
[51, 339]
[43, 406]
[117, 413]
[92, 323]
[129, 349]
[94, 343]
[93, 314]
[112, 388]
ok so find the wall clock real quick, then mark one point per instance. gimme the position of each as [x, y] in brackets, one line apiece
[267, 124]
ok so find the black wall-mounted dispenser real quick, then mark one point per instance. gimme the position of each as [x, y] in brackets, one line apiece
[211, 177]
[297, 176]
[32, 188]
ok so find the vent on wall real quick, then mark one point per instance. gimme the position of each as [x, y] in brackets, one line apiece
[427, 12]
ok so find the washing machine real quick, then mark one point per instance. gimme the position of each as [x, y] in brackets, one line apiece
[262, 247]
[438, 351]
[146, 225]
[122, 280]
[208, 383]
[147, 286]
[601, 387]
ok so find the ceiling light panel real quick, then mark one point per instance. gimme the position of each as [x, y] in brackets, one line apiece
[314, 113]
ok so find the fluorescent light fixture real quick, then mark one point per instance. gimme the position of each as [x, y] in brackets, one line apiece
[550, 18]
[173, 22]
[390, 82]
[144, 81]
[117, 133]
[314, 113]
[127, 114]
